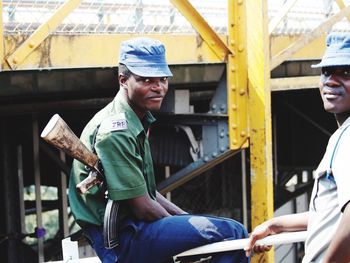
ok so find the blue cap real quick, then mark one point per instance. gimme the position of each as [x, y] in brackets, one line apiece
[144, 57]
[337, 52]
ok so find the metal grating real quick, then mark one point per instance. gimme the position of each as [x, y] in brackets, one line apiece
[111, 16]
[155, 16]
[305, 16]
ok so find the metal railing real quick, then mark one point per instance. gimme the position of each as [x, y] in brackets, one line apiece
[155, 16]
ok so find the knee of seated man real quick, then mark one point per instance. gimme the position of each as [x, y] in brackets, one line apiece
[218, 228]
[238, 229]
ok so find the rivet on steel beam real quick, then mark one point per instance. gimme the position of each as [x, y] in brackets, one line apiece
[242, 92]
[233, 87]
[14, 60]
[240, 48]
[243, 134]
[234, 142]
[234, 126]
[233, 69]
[232, 42]
[31, 44]
[240, 2]
[232, 24]
[212, 43]
[214, 154]
[234, 107]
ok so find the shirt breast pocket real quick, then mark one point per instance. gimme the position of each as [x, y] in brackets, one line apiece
[326, 197]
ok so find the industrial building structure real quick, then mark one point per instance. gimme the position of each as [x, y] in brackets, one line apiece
[240, 133]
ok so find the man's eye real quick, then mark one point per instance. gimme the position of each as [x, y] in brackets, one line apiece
[164, 79]
[325, 73]
[346, 73]
[147, 80]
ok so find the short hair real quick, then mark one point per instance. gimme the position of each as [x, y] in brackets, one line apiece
[123, 70]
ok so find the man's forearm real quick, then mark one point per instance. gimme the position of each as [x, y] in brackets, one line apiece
[338, 251]
[289, 223]
[169, 206]
[144, 208]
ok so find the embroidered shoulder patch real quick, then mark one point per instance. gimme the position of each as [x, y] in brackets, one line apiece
[114, 123]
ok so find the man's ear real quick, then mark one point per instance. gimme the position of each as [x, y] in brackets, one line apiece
[122, 80]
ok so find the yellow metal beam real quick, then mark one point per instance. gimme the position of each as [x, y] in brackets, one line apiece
[313, 50]
[70, 51]
[237, 84]
[294, 83]
[1, 38]
[203, 28]
[83, 51]
[41, 33]
[260, 117]
[308, 38]
[342, 6]
[281, 14]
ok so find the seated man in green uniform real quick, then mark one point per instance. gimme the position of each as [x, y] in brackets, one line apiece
[152, 229]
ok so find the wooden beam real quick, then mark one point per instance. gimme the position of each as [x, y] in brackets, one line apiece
[306, 39]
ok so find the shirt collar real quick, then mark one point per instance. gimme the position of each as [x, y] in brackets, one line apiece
[134, 123]
[346, 123]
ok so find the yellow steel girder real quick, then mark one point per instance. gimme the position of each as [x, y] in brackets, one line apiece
[79, 51]
[308, 38]
[83, 51]
[237, 75]
[260, 117]
[281, 14]
[1, 38]
[202, 27]
[41, 33]
[235, 53]
[341, 5]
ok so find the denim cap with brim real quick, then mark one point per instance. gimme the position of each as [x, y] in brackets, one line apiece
[144, 57]
[337, 52]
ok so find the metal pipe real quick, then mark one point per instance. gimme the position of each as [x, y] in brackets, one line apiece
[229, 245]
[37, 180]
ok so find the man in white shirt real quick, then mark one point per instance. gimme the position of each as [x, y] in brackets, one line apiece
[328, 218]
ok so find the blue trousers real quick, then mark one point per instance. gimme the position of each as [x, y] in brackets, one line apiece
[159, 241]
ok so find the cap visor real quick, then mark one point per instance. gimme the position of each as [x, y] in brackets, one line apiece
[149, 71]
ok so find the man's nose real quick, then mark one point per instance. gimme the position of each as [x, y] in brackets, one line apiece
[332, 80]
[157, 86]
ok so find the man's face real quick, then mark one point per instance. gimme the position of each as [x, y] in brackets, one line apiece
[145, 93]
[335, 89]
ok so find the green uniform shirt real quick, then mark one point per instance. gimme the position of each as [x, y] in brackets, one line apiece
[124, 151]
